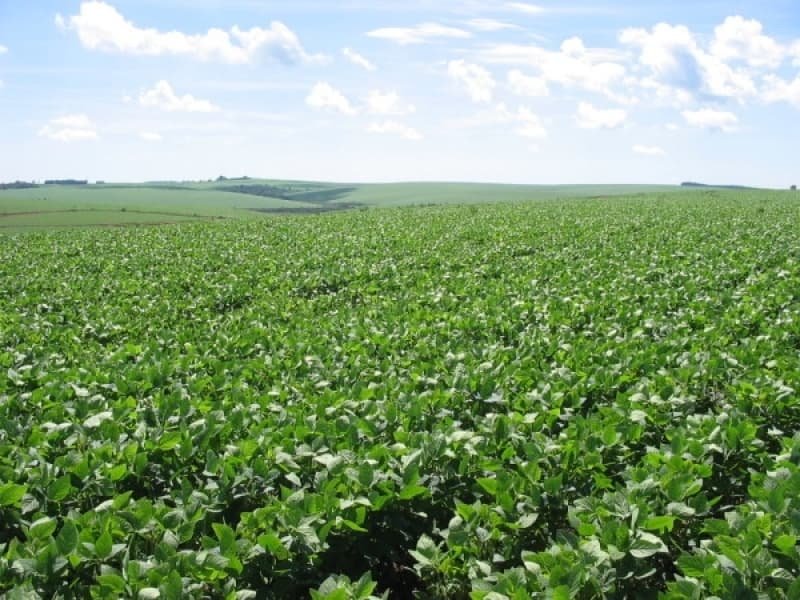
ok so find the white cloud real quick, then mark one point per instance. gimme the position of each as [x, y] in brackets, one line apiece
[395, 128]
[589, 117]
[794, 52]
[779, 90]
[387, 103]
[490, 25]
[573, 65]
[163, 97]
[3, 49]
[150, 136]
[70, 128]
[324, 96]
[648, 150]
[100, 26]
[524, 85]
[708, 118]
[742, 39]
[677, 64]
[523, 7]
[419, 34]
[357, 59]
[474, 79]
[528, 124]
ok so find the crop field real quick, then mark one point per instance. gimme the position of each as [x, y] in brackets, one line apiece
[588, 399]
[251, 199]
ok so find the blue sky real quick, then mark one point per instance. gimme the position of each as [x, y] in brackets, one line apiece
[355, 90]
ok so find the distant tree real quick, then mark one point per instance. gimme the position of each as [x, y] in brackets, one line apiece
[794, 188]
[17, 185]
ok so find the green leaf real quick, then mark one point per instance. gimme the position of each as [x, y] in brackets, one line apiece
[67, 538]
[352, 526]
[731, 550]
[692, 565]
[172, 587]
[553, 485]
[11, 494]
[661, 524]
[98, 419]
[527, 520]
[562, 592]
[60, 488]
[412, 491]
[363, 588]
[609, 435]
[426, 551]
[272, 543]
[170, 440]
[786, 543]
[329, 461]
[226, 537]
[42, 528]
[489, 484]
[112, 581]
[118, 472]
[646, 545]
[104, 546]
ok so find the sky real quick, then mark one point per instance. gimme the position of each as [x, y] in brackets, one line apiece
[571, 91]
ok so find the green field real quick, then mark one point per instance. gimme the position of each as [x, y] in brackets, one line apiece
[100, 204]
[122, 204]
[586, 399]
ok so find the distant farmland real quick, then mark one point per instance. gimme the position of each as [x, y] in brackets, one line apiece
[156, 203]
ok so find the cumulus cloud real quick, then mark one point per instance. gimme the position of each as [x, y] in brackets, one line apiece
[150, 136]
[676, 61]
[395, 128]
[357, 59]
[779, 90]
[163, 97]
[524, 85]
[708, 118]
[70, 128]
[3, 49]
[324, 96]
[589, 117]
[419, 34]
[648, 150]
[743, 39]
[387, 103]
[474, 79]
[100, 26]
[573, 65]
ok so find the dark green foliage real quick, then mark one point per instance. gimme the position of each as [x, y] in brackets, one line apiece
[17, 185]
